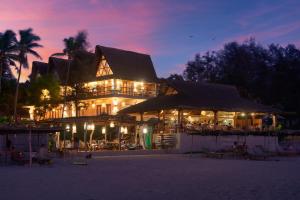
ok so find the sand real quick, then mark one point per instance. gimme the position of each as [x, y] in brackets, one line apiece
[154, 177]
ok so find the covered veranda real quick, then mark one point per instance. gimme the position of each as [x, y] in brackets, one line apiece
[24, 138]
[200, 108]
[103, 132]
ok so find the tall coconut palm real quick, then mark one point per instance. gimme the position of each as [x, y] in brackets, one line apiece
[71, 46]
[26, 45]
[8, 50]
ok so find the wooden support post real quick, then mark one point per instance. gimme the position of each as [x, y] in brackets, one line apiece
[142, 117]
[178, 120]
[30, 147]
[215, 119]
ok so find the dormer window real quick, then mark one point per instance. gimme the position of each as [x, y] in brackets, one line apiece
[103, 68]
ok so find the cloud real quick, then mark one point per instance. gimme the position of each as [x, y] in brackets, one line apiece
[122, 24]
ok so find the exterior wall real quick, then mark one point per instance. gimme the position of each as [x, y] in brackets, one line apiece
[197, 143]
[20, 141]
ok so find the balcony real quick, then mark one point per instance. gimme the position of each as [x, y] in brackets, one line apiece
[121, 92]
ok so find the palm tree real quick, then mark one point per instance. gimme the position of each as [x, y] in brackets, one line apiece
[26, 45]
[72, 45]
[8, 49]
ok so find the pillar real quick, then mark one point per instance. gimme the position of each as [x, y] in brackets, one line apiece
[215, 119]
[274, 120]
[178, 120]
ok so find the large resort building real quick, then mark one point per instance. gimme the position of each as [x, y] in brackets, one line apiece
[114, 96]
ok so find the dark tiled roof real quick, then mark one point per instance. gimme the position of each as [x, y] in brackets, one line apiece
[124, 64]
[202, 96]
[128, 65]
[38, 68]
[82, 68]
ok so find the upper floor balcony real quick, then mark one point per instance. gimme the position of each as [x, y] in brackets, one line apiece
[113, 88]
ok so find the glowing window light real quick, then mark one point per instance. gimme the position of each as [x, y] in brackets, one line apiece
[203, 112]
[103, 105]
[252, 114]
[91, 127]
[115, 102]
[145, 130]
[67, 127]
[142, 85]
[119, 83]
[115, 110]
[243, 114]
[112, 84]
[74, 129]
[125, 130]
[103, 130]
[135, 84]
[112, 125]
[121, 129]
[45, 95]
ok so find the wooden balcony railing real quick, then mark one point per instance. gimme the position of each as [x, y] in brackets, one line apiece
[122, 91]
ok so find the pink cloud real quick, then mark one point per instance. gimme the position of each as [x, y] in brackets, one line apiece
[129, 25]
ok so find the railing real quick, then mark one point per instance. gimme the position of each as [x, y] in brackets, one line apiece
[122, 91]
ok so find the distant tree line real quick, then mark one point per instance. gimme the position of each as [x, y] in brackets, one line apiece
[269, 75]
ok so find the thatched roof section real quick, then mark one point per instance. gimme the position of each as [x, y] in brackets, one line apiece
[128, 65]
[125, 65]
[38, 68]
[82, 67]
[202, 96]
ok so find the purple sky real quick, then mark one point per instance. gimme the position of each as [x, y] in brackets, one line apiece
[170, 31]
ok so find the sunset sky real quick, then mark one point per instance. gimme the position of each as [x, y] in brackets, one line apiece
[170, 31]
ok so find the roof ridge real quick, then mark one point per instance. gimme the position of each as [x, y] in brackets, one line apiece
[122, 50]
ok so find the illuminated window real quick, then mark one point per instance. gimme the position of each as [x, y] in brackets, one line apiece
[103, 68]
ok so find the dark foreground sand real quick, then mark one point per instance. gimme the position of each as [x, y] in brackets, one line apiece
[154, 177]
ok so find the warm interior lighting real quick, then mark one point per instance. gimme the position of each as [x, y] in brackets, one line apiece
[252, 114]
[67, 127]
[45, 95]
[115, 110]
[203, 112]
[112, 124]
[243, 114]
[103, 105]
[103, 130]
[142, 85]
[93, 105]
[115, 102]
[145, 130]
[74, 129]
[135, 84]
[125, 130]
[91, 127]
[112, 84]
[119, 83]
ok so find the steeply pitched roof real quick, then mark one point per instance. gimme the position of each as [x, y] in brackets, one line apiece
[38, 68]
[127, 64]
[202, 96]
[82, 67]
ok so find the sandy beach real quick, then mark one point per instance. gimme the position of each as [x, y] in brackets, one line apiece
[154, 177]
